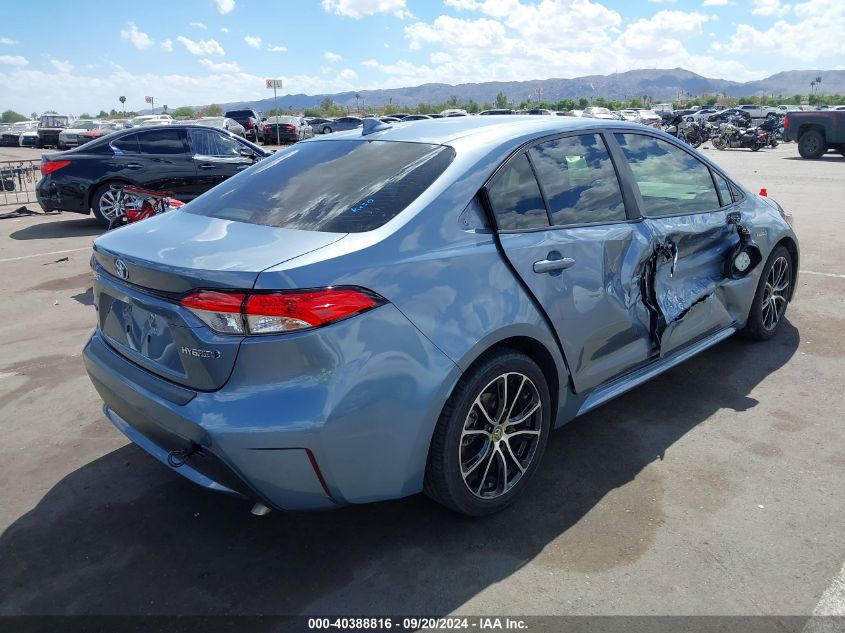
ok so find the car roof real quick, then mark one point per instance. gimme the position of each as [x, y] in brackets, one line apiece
[448, 131]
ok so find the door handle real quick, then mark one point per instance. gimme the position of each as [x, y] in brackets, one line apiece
[134, 166]
[551, 265]
[206, 166]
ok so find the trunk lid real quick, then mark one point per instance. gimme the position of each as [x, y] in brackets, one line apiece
[142, 269]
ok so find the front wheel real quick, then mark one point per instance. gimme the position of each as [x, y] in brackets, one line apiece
[490, 436]
[719, 143]
[326, 130]
[756, 145]
[773, 293]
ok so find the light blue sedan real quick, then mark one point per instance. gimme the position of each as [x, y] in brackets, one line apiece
[414, 307]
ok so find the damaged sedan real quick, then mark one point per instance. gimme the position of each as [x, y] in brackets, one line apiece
[421, 320]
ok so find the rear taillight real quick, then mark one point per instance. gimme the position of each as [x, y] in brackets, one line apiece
[267, 129]
[786, 122]
[49, 166]
[249, 124]
[278, 312]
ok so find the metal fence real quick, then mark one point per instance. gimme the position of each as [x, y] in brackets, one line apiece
[17, 181]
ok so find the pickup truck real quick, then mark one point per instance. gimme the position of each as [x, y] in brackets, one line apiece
[816, 132]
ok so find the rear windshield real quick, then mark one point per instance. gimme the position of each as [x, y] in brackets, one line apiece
[333, 186]
[53, 121]
[239, 113]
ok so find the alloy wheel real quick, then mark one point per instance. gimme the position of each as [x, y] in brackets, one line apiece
[500, 435]
[114, 203]
[775, 293]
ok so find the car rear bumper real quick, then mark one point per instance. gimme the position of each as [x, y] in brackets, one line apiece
[55, 196]
[339, 415]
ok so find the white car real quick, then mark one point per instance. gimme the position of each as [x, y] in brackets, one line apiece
[757, 111]
[648, 117]
[595, 112]
[69, 137]
[151, 119]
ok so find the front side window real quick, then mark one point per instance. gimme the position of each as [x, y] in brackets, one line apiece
[515, 197]
[211, 143]
[161, 142]
[578, 179]
[671, 180]
[337, 186]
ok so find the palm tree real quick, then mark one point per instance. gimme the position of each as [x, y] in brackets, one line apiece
[818, 81]
[357, 108]
[813, 87]
[122, 100]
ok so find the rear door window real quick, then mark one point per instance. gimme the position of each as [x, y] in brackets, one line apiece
[211, 143]
[126, 144]
[334, 186]
[724, 189]
[515, 197]
[578, 180]
[161, 142]
[671, 180]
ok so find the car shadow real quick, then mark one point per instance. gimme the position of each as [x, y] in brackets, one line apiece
[835, 158]
[122, 535]
[50, 230]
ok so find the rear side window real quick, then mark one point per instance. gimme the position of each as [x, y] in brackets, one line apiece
[334, 186]
[671, 180]
[211, 143]
[126, 144]
[161, 142]
[578, 179]
[724, 189]
[515, 197]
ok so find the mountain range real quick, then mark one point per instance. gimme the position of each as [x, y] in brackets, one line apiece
[659, 85]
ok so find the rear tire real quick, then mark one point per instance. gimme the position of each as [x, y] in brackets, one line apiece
[770, 300]
[102, 203]
[326, 130]
[490, 436]
[812, 145]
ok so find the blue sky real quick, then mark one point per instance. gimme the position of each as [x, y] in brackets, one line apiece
[201, 51]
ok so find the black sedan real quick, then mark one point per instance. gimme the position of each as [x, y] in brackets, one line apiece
[186, 160]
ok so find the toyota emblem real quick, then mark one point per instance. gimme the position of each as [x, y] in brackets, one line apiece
[120, 269]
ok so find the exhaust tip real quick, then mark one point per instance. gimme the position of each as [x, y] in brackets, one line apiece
[259, 510]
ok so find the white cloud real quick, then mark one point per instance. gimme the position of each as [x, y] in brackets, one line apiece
[202, 47]
[167, 45]
[770, 7]
[277, 49]
[223, 29]
[225, 6]
[825, 19]
[556, 23]
[14, 60]
[221, 67]
[252, 40]
[199, 25]
[332, 57]
[138, 39]
[6, 40]
[663, 1]
[63, 66]
[348, 74]
[359, 8]
[716, 3]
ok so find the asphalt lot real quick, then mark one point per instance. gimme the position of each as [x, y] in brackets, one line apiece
[714, 489]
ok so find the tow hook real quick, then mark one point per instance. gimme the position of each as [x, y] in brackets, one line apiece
[177, 458]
